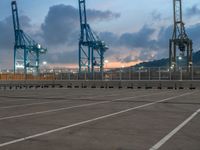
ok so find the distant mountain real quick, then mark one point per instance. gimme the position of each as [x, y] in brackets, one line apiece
[196, 58]
[165, 62]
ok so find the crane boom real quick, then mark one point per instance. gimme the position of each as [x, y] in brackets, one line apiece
[91, 48]
[180, 39]
[26, 51]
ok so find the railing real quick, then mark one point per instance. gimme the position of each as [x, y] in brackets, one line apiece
[108, 74]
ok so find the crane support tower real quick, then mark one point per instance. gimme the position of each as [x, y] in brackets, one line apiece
[180, 39]
[91, 48]
[26, 51]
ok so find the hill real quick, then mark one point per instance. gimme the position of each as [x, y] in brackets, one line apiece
[165, 62]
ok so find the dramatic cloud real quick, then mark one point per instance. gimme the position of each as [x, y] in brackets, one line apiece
[62, 23]
[61, 30]
[128, 58]
[60, 33]
[138, 39]
[59, 24]
[193, 11]
[156, 15]
[7, 31]
[7, 39]
[110, 38]
[194, 34]
[70, 57]
[7, 34]
[142, 42]
[101, 15]
[132, 41]
[126, 45]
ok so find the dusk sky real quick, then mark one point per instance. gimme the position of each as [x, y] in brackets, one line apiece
[135, 31]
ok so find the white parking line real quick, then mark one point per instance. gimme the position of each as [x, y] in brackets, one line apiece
[72, 107]
[88, 121]
[49, 111]
[57, 101]
[33, 104]
[173, 132]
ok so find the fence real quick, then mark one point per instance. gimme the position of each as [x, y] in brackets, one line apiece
[130, 73]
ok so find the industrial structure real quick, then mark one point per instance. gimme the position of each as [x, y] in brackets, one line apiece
[180, 39]
[26, 51]
[91, 48]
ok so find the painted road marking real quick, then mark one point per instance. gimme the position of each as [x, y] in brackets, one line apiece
[49, 102]
[88, 121]
[72, 107]
[173, 132]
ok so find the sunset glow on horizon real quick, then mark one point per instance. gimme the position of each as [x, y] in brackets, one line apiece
[133, 36]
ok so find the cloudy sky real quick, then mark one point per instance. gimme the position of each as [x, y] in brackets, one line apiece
[135, 30]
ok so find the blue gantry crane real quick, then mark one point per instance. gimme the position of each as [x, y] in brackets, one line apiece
[91, 48]
[26, 51]
[180, 40]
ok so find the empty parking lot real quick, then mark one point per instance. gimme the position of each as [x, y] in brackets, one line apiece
[99, 119]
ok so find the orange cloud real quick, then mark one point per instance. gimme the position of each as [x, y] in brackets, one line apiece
[121, 64]
[111, 64]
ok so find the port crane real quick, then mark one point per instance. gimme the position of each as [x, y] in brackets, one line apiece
[180, 39]
[26, 51]
[91, 47]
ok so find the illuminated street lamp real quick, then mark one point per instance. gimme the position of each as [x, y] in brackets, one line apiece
[179, 61]
[106, 63]
[39, 46]
[44, 63]
[172, 66]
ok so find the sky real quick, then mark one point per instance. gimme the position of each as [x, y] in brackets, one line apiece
[135, 31]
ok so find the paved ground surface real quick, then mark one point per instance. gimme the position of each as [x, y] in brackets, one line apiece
[99, 119]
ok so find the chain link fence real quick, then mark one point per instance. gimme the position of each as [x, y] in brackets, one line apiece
[109, 74]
